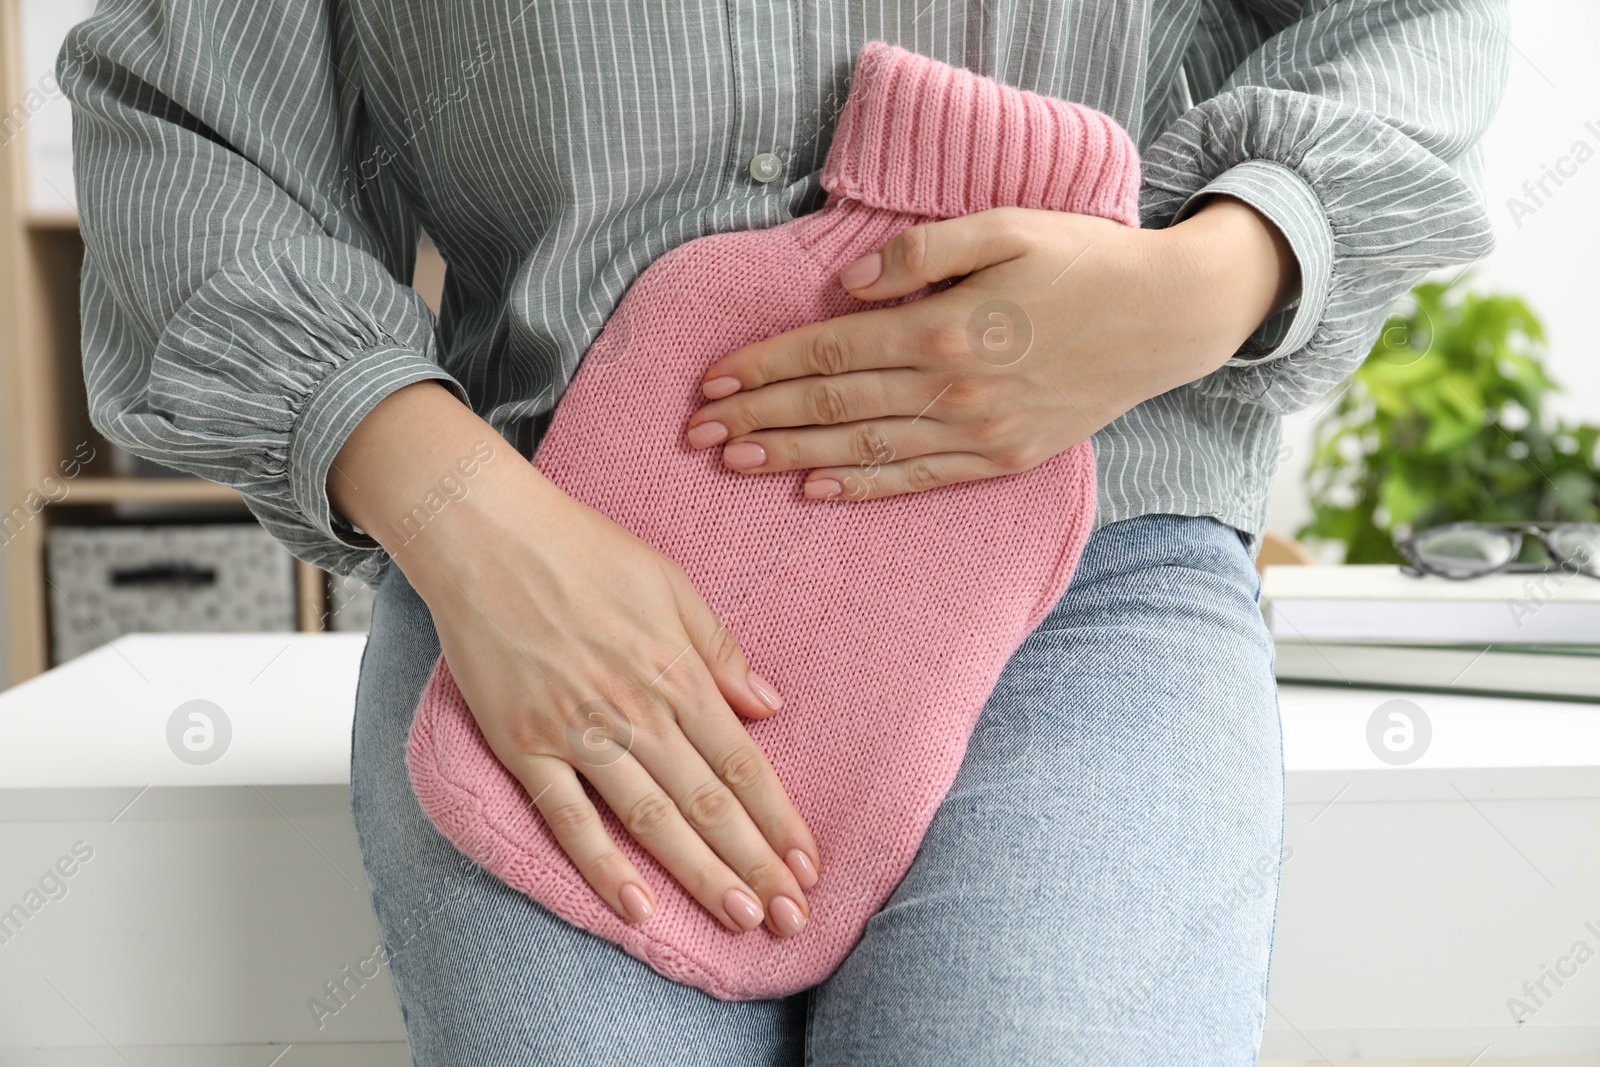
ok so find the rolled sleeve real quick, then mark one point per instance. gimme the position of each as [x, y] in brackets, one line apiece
[242, 300]
[1345, 126]
[1284, 198]
[343, 398]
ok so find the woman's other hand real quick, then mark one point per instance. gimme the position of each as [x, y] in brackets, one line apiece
[1059, 324]
[582, 651]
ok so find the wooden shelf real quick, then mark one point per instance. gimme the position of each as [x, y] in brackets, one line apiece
[88, 490]
[51, 220]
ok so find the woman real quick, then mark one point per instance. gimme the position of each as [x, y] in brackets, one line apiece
[252, 182]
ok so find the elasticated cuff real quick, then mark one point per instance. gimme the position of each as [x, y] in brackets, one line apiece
[1292, 206]
[924, 138]
[342, 399]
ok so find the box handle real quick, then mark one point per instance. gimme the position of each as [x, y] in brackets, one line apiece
[186, 575]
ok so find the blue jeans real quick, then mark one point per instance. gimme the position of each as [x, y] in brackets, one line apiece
[1099, 886]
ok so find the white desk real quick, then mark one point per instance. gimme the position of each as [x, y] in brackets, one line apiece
[1418, 899]
[221, 897]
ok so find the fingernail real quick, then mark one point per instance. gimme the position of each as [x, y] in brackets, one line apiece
[763, 689]
[707, 434]
[863, 272]
[744, 455]
[717, 388]
[742, 909]
[786, 916]
[804, 871]
[823, 488]
[635, 903]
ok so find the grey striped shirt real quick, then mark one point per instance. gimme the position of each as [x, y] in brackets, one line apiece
[253, 177]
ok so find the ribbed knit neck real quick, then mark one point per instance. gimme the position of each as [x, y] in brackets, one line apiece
[921, 137]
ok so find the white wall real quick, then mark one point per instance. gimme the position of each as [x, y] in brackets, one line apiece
[1547, 257]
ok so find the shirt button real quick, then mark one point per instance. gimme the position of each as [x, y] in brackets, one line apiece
[765, 167]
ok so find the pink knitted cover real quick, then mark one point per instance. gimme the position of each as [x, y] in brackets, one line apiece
[884, 623]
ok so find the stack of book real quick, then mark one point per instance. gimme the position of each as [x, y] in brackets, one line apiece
[1523, 634]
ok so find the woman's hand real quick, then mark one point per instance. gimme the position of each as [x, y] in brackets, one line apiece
[583, 651]
[1060, 324]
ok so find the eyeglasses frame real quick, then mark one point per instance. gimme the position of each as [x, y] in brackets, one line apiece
[1416, 567]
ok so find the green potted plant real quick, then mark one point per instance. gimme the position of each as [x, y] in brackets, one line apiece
[1446, 421]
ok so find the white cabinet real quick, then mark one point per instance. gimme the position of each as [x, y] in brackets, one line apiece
[221, 896]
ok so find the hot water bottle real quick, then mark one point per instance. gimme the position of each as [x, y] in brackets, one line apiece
[884, 623]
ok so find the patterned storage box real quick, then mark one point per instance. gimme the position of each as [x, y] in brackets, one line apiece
[111, 580]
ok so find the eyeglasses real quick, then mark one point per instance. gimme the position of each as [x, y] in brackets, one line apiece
[1473, 549]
